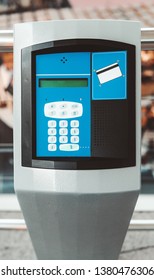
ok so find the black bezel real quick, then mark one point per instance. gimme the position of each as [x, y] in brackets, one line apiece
[28, 67]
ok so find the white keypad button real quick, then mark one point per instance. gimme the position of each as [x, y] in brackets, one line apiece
[74, 131]
[69, 147]
[66, 109]
[75, 113]
[63, 113]
[63, 139]
[52, 113]
[63, 105]
[52, 131]
[74, 105]
[52, 147]
[63, 123]
[52, 106]
[74, 139]
[52, 139]
[52, 124]
[63, 131]
[74, 123]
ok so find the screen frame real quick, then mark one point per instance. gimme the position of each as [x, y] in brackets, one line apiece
[63, 82]
[29, 104]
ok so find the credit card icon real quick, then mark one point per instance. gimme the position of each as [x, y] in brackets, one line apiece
[109, 73]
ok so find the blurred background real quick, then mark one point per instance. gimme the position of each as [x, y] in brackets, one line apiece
[12, 12]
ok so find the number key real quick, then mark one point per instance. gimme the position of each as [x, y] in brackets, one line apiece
[74, 131]
[63, 131]
[52, 147]
[52, 131]
[74, 123]
[63, 123]
[63, 139]
[52, 123]
[74, 139]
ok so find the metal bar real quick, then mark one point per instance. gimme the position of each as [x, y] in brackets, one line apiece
[147, 34]
[6, 39]
[141, 225]
[6, 150]
[19, 224]
[12, 224]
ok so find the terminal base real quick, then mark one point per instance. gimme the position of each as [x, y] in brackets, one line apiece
[75, 226]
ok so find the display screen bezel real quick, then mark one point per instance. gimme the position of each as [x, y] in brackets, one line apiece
[62, 82]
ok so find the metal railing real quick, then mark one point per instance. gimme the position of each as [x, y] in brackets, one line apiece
[6, 40]
[6, 45]
[19, 224]
[147, 39]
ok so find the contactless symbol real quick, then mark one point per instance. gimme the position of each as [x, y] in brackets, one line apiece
[109, 73]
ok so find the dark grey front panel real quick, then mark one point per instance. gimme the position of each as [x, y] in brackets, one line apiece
[112, 120]
[77, 226]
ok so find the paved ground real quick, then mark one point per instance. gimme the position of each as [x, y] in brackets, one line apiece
[138, 245]
[136, 10]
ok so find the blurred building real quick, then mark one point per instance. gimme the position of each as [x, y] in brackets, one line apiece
[12, 12]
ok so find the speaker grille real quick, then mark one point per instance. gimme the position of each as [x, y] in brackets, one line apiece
[110, 129]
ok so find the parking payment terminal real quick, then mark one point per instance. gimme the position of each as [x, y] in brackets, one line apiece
[77, 134]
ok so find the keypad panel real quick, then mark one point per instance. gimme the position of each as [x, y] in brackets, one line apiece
[63, 109]
[63, 135]
[63, 105]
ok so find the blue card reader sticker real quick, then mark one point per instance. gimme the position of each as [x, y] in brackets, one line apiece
[109, 75]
